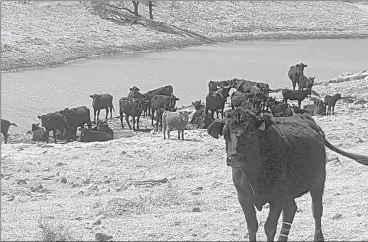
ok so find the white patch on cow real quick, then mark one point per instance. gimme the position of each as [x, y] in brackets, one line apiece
[262, 126]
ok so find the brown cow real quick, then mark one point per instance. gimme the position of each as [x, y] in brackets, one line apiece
[131, 107]
[216, 100]
[162, 101]
[275, 160]
[166, 90]
[298, 95]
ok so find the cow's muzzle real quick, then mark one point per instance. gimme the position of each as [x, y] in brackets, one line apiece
[234, 161]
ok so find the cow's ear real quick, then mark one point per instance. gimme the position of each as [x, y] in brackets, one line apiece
[131, 89]
[193, 103]
[91, 96]
[215, 128]
[189, 112]
[38, 124]
[39, 117]
[176, 98]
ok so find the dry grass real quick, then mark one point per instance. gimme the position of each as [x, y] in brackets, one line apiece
[54, 232]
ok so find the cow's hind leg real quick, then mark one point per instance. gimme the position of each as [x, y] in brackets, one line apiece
[316, 192]
[138, 122]
[98, 114]
[273, 216]
[287, 218]
[121, 119]
[107, 112]
[178, 134]
[54, 134]
[127, 120]
[246, 202]
[134, 128]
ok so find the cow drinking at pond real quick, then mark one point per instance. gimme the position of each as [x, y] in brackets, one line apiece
[275, 160]
[101, 101]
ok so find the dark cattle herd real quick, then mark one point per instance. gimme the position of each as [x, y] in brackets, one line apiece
[276, 150]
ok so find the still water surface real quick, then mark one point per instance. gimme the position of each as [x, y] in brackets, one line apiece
[26, 94]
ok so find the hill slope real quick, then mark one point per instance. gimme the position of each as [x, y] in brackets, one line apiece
[40, 34]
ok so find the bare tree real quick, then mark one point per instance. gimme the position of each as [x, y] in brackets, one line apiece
[150, 9]
[136, 7]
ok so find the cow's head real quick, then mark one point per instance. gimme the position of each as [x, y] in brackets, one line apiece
[240, 130]
[197, 105]
[43, 119]
[184, 115]
[300, 68]
[35, 126]
[95, 98]
[224, 91]
[173, 100]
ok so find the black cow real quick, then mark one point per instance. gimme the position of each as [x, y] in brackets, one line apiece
[216, 100]
[53, 121]
[166, 90]
[237, 98]
[134, 92]
[5, 124]
[131, 107]
[103, 126]
[275, 160]
[295, 72]
[317, 108]
[281, 110]
[298, 95]
[101, 101]
[162, 101]
[39, 133]
[74, 118]
[331, 102]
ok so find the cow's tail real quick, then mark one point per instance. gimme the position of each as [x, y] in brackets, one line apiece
[13, 124]
[362, 159]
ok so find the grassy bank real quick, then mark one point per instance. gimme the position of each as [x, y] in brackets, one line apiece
[41, 34]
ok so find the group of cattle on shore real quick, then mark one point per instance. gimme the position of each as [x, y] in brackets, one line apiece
[160, 105]
[277, 152]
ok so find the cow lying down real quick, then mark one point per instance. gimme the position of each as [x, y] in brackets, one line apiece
[275, 160]
[102, 132]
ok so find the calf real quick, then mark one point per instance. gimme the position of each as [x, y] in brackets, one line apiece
[102, 126]
[216, 100]
[306, 82]
[295, 72]
[162, 101]
[318, 108]
[88, 135]
[198, 105]
[131, 107]
[197, 115]
[5, 125]
[281, 110]
[331, 102]
[204, 121]
[297, 110]
[39, 133]
[101, 101]
[175, 120]
[298, 95]
[53, 121]
[76, 117]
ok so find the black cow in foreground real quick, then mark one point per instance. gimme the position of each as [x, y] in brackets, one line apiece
[74, 118]
[275, 160]
[295, 72]
[39, 133]
[130, 107]
[101, 101]
[331, 102]
[298, 95]
[166, 90]
[216, 101]
[5, 124]
[53, 121]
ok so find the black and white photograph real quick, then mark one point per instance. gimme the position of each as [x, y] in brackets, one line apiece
[184, 120]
